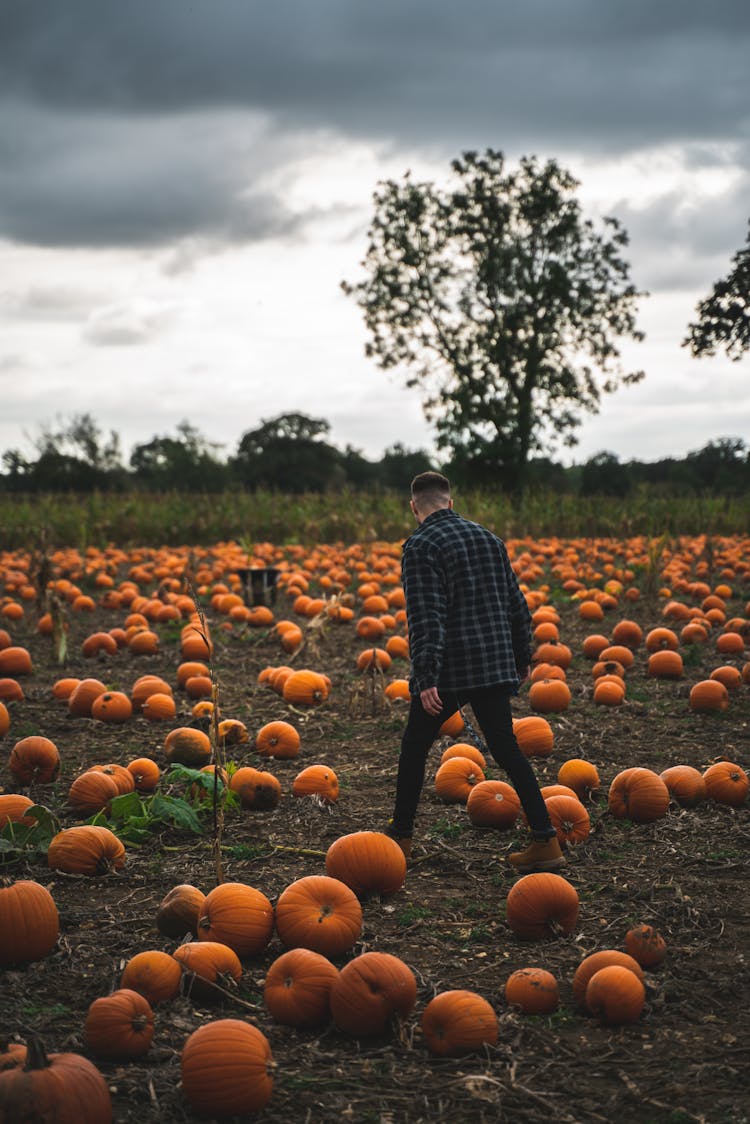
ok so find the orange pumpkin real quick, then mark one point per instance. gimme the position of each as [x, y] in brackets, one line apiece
[493, 804]
[30, 925]
[317, 780]
[179, 911]
[34, 760]
[238, 916]
[227, 1069]
[455, 779]
[593, 963]
[580, 775]
[645, 945]
[548, 696]
[278, 739]
[726, 783]
[541, 905]
[534, 735]
[256, 789]
[154, 974]
[297, 988]
[615, 995]
[534, 991]
[320, 913]
[120, 1026]
[186, 745]
[369, 991]
[305, 688]
[638, 794]
[459, 1022]
[686, 785]
[709, 695]
[367, 861]
[85, 850]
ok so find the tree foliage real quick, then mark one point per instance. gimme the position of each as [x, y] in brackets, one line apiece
[724, 316]
[503, 302]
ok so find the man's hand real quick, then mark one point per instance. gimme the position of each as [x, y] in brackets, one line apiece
[431, 701]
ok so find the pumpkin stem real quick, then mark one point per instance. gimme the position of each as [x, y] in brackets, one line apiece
[36, 1058]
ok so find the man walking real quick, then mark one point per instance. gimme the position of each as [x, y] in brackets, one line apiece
[469, 642]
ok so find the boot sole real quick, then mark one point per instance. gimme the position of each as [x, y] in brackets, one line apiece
[540, 868]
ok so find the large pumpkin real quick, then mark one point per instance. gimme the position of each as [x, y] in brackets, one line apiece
[317, 780]
[458, 1022]
[367, 861]
[615, 995]
[534, 735]
[493, 804]
[726, 783]
[179, 911]
[186, 745]
[153, 974]
[369, 991]
[30, 922]
[685, 784]
[119, 1026]
[85, 850]
[596, 960]
[534, 991]
[66, 1088]
[320, 913]
[638, 794]
[542, 905]
[297, 987]
[256, 789]
[227, 1069]
[34, 760]
[207, 967]
[455, 779]
[236, 915]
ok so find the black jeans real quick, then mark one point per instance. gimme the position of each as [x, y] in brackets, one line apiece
[491, 705]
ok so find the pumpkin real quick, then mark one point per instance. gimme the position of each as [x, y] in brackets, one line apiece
[664, 663]
[297, 988]
[661, 638]
[452, 726]
[367, 861]
[153, 974]
[397, 689]
[370, 628]
[638, 794]
[593, 645]
[11, 691]
[708, 695]
[188, 669]
[542, 905]
[615, 995]
[464, 749]
[645, 945]
[320, 913]
[580, 775]
[111, 706]
[731, 677]
[686, 785]
[232, 732]
[85, 850]
[549, 696]
[98, 642]
[15, 661]
[553, 651]
[145, 773]
[277, 739]
[208, 966]
[593, 962]
[547, 671]
[91, 792]
[373, 659]
[13, 809]
[256, 789]
[608, 693]
[726, 783]
[227, 1069]
[186, 745]
[64, 688]
[199, 687]
[569, 819]
[455, 779]
[493, 804]
[30, 922]
[534, 991]
[238, 916]
[317, 780]
[82, 698]
[66, 1088]
[459, 1022]
[627, 633]
[179, 911]
[534, 735]
[4, 720]
[122, 777]
[119, 1026]
[159, 707]
[305, 688]
[370, 991]
[34, 760]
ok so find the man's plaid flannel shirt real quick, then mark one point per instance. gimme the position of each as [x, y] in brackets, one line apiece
[469, 624]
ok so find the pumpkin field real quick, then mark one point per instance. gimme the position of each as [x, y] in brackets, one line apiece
[195, 782]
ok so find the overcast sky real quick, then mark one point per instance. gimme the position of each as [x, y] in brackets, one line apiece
[184, 184]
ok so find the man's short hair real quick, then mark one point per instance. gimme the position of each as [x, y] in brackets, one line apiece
[431, 489]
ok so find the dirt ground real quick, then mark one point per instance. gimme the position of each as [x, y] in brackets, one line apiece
[685, 1060]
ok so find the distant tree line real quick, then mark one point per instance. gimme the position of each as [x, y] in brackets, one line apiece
[291, 453]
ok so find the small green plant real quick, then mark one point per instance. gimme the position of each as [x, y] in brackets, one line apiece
[412, 914]
[446, 829]
[28, 841]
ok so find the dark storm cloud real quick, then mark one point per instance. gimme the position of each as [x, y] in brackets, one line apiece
[123, 122]
[416, 70]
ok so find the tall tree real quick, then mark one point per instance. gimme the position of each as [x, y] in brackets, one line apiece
[724, 316]
[288, 453]
[505, 303]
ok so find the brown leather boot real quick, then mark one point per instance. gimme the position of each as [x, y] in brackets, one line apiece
[540, 855]
[404, 842]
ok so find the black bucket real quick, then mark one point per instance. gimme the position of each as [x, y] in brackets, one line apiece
[259, 584]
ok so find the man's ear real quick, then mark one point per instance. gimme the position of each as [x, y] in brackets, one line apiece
[450, 504]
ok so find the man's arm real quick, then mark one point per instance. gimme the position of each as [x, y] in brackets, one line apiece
[424, 589]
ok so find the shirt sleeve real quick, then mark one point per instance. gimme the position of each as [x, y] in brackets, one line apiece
[426, 609]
